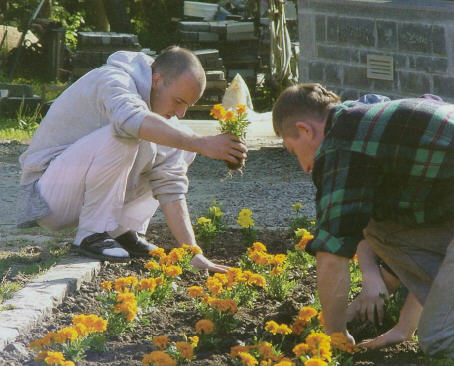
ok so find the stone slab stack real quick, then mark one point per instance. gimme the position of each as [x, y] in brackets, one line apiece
[15, 97]
[95, 47]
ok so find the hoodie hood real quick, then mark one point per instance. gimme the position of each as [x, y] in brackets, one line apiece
[138, 66]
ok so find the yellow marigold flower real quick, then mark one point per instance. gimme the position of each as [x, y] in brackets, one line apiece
[247, 359]
[185, 349]
[122, 283]
[260, 258]
[233, 274]
[258, 246]
[158, 358]
[194, 341]
[266, 363]
[172, 271]
[216, 211]
[174, 256]
[283, 329]
[278, 259]
[315, 362]
[159, 281]
[319, 344]
[277, 271]
[106, 285]
[196, 291]
[240, 108]
[152, 265]
[81, 329]
[271, 326]
[64, 334]
[157, 253]
[235, 350]
[67, 363]
[203, 220]
[306, 313]
[301, 232]
[221, 277]
[224, 305]
[47, 339]
[36, 344]
[193, 249]
[300, 349]
[204, 326]
[214, 286]
[296, 206]
[245, 218]
[161, 341]
[100, 325]
[284, 362]
[256, 279]
[54, 358]
[304, 241]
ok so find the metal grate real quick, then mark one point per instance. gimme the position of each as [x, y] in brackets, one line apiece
[380, 67]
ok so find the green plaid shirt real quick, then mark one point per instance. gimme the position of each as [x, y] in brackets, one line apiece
[389, 161]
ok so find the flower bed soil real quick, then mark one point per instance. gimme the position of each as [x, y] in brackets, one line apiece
[178, 315]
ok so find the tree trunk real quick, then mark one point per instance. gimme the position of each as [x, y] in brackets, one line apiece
[102, 23]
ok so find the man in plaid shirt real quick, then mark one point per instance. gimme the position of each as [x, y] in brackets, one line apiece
[385, 171]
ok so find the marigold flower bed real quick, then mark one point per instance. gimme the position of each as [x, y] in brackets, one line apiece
[259, 326]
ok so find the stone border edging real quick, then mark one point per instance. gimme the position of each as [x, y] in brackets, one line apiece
[37, 299]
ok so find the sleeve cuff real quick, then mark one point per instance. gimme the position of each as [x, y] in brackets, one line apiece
[169, 197]
[326, 242]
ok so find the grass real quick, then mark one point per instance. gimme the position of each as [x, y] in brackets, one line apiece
[22, 259]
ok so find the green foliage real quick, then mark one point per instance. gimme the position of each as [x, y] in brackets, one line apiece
[209, 226]
[72, 23]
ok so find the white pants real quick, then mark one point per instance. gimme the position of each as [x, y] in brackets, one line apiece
[87, 186]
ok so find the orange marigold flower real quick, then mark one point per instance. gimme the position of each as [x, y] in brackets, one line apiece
[278, 259]
[258, 246]
[229, 115]
[106, 285]
[67, 363]
[218, 111]
[157, 253]
[196, 291]
[283, 329]
[306, 313]
[161, 341]
[148, 284]
[265, 350]
[315, 362]
[300, 349]
[257, 280]
[321, 318]
[193, 249]
[204, 326]
[240, 108]
[41, 356]
[305, 239]
[247, 359]
[65, 334]
[158, 358]
[185, 349]
[299, 326]
[340, 341]
[214, 286]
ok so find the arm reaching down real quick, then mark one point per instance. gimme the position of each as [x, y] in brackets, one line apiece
[177, 217]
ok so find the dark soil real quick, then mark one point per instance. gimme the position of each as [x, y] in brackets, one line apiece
[177, 316]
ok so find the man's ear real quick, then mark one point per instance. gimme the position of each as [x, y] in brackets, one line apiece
[305, 129]
[156, 79]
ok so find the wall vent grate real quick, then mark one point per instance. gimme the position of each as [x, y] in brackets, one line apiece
[380, 67]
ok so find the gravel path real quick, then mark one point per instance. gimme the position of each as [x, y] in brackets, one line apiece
[271, 183]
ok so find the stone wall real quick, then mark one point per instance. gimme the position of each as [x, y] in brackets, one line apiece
[337, 35]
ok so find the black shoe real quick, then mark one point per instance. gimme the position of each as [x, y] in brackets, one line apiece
[102, 246]
[135, 244]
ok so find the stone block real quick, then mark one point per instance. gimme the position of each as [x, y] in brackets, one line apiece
[358, 32]
[414, 82]
[333, 74]
[22, 320]
[429, 64]
[438, 40]
[332, 34]
[386, 35]
[443, 86]
[384, 87]
[356, 76]
[320, 28]
[316, 71]
[338, 53]
[415, 37]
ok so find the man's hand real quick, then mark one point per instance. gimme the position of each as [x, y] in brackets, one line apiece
[223, 147]
[201, 262]
[369, 301]
[392, 336]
